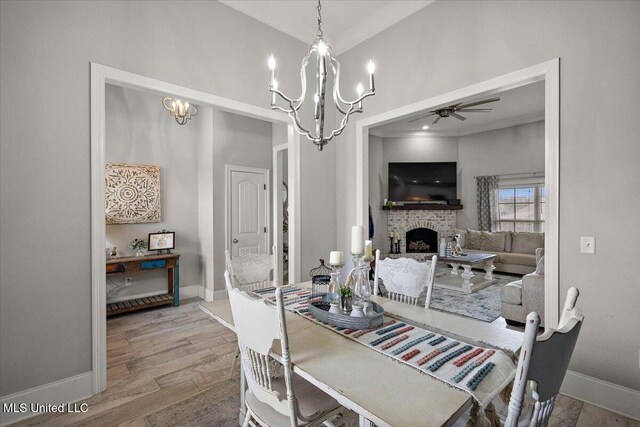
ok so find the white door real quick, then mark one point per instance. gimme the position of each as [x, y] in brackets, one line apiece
[248, 210]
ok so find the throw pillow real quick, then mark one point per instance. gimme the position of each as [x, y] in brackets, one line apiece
[493, 242]
[463, 236]
[507, 241]
[474, 239]
[540, 267]
[526, 243]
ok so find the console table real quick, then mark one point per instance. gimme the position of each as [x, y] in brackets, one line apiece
[169, 262]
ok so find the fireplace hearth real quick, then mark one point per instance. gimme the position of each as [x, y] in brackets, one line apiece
[421, 240]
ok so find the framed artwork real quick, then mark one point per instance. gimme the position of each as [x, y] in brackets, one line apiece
[132, 193]
[163, 240]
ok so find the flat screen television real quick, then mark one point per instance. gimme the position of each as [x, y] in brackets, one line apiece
[422, 182]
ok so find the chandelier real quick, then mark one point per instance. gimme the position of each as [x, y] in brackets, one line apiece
[321, 50]
[180, 111]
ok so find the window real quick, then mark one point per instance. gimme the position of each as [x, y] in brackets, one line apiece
[521, 207]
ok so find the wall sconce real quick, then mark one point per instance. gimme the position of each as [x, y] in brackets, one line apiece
[182, 112]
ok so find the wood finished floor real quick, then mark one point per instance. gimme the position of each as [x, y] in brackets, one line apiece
[163, 356]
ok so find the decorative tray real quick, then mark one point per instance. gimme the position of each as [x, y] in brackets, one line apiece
[319, 308]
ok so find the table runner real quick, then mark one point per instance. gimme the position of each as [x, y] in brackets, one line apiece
[481, 372]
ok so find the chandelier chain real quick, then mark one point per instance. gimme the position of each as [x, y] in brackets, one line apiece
[319, 8]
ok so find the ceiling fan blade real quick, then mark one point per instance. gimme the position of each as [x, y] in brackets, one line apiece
[471, 104]
[477, 110]
[421, 117]
[458, 116]
[436, 120]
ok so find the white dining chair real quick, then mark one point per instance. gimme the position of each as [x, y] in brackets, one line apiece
[275, 395]
[405, 278]
[544, 361]
[251, 272]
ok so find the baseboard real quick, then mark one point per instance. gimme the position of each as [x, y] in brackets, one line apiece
[191, 291]
[603, 394]
[68, 390]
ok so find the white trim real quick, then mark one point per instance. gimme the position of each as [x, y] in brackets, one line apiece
[610, 396]
[549, 72]
[201, 292]
[293, 156]
[68, 390]
[100, 76]
[228, 169]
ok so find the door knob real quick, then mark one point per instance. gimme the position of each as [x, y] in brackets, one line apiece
[235, 240]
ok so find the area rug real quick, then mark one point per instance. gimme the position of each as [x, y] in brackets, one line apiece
[482, 305]
[217, 406]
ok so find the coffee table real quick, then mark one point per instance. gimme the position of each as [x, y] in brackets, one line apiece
[467, 281]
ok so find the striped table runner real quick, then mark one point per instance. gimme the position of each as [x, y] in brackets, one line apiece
[482, 372]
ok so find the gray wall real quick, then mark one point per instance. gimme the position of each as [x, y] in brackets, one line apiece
[599, 174]
[46, 47]
[515, 149]
[239, 141]
[139, 130]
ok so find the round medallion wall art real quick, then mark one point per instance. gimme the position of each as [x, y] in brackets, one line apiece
[132, 193]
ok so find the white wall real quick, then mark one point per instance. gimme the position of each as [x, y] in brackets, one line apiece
[140, 131]
[516, 149]
[45, 48]
[239, 141]
[598, 161]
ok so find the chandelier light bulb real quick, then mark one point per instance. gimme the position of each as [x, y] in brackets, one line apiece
[371, 67]
[274, 85]
[359, 89]
[322, 48]
[425, 127]
[272, 63]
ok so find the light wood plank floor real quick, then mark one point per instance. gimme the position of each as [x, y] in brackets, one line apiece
[163, 356]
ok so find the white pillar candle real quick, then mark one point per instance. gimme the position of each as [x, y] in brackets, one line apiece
[336, 258]
[368, 249]
[357, 239]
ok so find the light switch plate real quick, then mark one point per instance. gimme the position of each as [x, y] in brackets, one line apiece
[588, 245]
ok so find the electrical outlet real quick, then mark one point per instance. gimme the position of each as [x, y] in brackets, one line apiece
[588, 245]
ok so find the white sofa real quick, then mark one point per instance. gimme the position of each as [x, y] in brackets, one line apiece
[515, 251]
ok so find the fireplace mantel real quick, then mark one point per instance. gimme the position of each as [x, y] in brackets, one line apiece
[423, 208]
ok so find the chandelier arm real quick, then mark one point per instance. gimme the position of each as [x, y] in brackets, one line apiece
[166, 98]
[294, 104]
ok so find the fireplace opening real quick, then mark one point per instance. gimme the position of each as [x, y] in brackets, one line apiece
[421, 240]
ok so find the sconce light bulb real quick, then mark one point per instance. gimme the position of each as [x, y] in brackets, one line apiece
[371, 68]
[272, 63]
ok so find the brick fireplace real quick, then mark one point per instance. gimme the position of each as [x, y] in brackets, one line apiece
[413, 222]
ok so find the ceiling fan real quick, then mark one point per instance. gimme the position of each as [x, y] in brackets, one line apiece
[453, 110]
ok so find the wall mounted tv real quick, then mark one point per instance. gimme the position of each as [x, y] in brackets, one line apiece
[422, 182]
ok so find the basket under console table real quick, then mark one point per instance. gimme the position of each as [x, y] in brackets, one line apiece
[169, 262]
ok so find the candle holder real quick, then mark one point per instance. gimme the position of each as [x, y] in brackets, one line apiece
[335, 298]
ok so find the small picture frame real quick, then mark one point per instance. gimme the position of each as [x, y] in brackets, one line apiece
[161, 241]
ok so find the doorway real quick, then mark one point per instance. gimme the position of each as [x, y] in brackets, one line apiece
[547, 72]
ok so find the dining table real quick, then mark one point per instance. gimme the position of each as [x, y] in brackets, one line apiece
[382, 391]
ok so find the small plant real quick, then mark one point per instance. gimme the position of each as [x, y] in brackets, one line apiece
[345, 291]
[138, 244]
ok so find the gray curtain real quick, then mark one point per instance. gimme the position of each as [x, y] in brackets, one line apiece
[486, 197]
